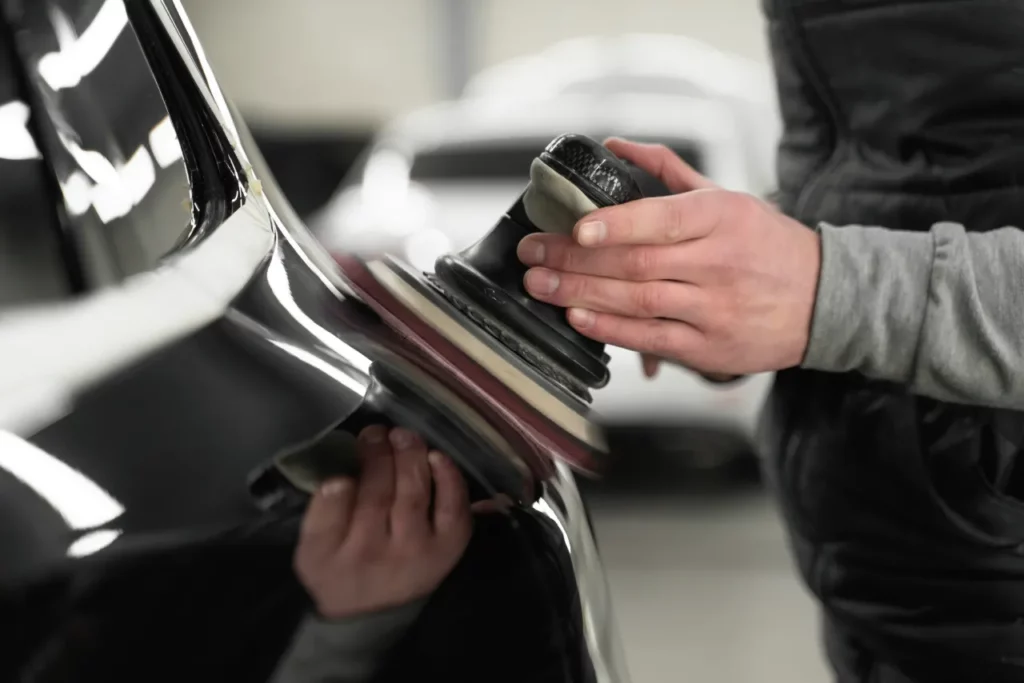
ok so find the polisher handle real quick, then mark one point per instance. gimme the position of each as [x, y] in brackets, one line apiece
[648, 183]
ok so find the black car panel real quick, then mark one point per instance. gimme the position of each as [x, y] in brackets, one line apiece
[159, 416]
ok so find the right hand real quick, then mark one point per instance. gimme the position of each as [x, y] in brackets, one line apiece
[678, 177]
[369, 545]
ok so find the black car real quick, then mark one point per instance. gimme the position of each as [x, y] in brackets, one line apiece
[175, 350]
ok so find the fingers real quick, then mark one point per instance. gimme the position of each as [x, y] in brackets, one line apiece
[451, 498]
[655, 220]
[376, 486]
[412, 486]
[639, 263]
[721, 378]
[651, 364]
[660, 161]
[500, 503]
[665, 338]
[326, 521]
[660, 299]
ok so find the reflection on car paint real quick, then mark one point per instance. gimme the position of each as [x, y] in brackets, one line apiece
[138, 507]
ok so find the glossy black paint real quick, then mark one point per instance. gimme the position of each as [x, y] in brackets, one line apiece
[146, 523]
[32, 266]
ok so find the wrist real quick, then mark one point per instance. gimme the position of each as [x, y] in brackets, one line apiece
[366, 615]
[816, 256]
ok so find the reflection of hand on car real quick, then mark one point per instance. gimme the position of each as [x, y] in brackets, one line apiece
[379, 543]
[371, 551]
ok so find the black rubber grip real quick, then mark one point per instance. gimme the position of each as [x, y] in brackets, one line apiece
[649, 184]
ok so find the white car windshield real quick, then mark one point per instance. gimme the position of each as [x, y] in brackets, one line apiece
[501, 161]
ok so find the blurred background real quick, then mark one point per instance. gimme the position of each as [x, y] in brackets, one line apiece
[409, 125]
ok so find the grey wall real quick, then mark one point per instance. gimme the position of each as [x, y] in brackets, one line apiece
[327, 64]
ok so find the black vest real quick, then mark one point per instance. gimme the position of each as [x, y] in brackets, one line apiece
[906, 515]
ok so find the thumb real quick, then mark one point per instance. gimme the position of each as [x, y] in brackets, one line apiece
[662, 162]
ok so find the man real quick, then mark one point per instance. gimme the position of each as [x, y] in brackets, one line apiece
[893, 433]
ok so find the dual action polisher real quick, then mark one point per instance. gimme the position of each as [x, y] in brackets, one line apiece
[473, 318]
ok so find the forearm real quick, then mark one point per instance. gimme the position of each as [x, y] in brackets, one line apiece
[941, 312]
[347, 651]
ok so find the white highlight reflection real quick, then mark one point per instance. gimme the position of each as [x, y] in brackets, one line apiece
[138, 175]
[79, 57]
[16, 142]
[78, 499]
[77, 193]
[277, 278]
[543, 507]
[385, 179]
[93, 542]
[95, 165]
[164, 141]
[113, 190]
[339, 376]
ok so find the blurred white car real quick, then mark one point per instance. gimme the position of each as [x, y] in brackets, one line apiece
[437, 180]
[599, 66]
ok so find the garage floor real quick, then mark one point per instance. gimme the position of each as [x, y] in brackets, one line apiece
[705, 591]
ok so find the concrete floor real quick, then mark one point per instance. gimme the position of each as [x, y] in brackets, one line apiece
[704, 590]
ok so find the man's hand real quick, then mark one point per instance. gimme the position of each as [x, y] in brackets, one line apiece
[377, 545]
[717, 280]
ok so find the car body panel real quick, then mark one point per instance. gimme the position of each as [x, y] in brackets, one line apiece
[146, 412]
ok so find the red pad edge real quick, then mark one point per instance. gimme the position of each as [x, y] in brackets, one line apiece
[547, 438]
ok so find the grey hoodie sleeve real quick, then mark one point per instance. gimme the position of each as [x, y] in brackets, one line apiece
[941, 312]
[345, 651]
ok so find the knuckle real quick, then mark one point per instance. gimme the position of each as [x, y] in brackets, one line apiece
[639, 263]
[578, 288]
[659, 341]
[563, 257]
[676, 216]
[743, 204]
[413, 502]
[727, 324]
[647, 300]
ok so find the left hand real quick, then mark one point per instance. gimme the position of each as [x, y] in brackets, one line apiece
[717, 280]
